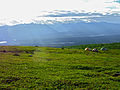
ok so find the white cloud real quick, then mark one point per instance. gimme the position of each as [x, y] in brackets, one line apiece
[28, 9]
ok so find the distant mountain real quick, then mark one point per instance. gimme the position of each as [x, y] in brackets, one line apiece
[39, 33]
[57, 26]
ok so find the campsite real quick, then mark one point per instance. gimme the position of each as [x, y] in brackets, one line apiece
[65, 68]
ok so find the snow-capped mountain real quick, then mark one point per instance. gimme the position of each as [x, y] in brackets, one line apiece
[62, 16]
[52, 28]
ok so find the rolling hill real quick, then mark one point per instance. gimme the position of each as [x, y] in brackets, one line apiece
[28, 67]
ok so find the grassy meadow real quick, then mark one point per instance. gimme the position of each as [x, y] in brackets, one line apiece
[68, 68]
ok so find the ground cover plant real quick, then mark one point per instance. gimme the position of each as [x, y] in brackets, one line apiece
[69, 68]
[98, 46]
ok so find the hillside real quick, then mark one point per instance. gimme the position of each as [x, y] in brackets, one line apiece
[56, 34]
[98, 46]
[27, 67]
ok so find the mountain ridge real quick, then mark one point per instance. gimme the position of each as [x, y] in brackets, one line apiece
[44, 33]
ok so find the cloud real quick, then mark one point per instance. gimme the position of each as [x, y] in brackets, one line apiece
[33, 7]
[28, 9]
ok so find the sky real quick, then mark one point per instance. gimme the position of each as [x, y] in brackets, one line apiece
[25, 9]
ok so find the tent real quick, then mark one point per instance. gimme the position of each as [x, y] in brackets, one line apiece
[103, 49]
[87, 49]
[95, 50]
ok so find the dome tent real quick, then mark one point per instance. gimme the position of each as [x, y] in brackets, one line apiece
[87, 49]
[95, 50]
[103, 49]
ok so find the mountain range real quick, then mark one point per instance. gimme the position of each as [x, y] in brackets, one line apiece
[54, 28]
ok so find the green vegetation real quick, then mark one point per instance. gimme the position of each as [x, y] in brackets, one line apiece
[27, 67]
[98, 46]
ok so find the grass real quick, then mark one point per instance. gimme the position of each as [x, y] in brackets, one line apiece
[58, 68]
[98, 46]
